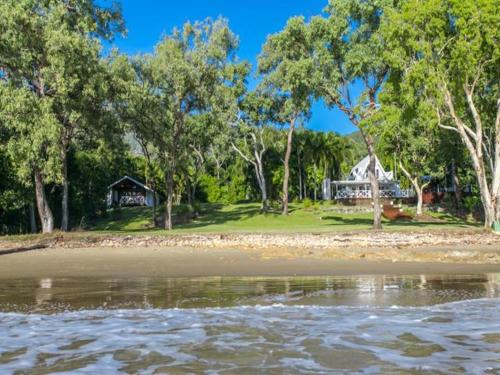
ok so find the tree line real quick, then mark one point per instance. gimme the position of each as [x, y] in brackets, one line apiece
[418, 79]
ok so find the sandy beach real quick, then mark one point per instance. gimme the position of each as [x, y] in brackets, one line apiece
[127, 262]
[254, 254]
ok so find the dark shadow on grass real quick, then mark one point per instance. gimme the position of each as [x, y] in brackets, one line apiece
[211, 214]
[214, 215]
[342, 220]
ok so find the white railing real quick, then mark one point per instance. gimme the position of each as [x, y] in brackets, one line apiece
[353, 194]
[367, 194]
[406, 193]
[132, 199]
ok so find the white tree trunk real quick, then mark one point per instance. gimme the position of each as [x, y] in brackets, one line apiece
[419, 189]
[372, 175]
[473, 141]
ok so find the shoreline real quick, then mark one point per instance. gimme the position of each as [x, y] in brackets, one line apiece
[444, 246]
[259, 240]
[90, 254]
[145, 262]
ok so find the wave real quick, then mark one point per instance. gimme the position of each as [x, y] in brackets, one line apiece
[288, 338]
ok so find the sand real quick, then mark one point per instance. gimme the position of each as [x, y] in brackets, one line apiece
[133, 262]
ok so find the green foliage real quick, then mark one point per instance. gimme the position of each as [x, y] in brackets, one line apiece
[288, 69]
[14, 199]
[307, 203]
[211, 188]
[444, 57]
[232, 191]
[187, 108]
[472, 203]
[53, 83]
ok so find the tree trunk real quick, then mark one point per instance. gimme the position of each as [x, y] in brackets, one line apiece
[372, 175]
[474, 144]
[169, 180]
[420, 200]
[456, 185]
[65, 195]
[261, 179]
[44, 211]
[315, 184]
[287, 166]
[301, 196]
[418, 189]
[33, 227]
[154, 207]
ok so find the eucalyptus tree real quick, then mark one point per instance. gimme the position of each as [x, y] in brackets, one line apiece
[407, 135]
[49, 57]
[447, 53]
[189, 74]
[348, 54]
[140, 110]
[287, 67]
[32, 144]
[251, 136]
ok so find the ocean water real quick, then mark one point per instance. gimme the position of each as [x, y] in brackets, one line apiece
[320, 325]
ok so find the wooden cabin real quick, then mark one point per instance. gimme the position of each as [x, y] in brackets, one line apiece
[128, 192]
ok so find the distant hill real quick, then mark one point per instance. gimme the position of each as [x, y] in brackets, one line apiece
[355, 137]
[358, 145]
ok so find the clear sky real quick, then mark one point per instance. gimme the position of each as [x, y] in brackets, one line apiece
[251, 20]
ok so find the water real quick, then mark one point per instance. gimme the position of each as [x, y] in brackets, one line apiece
[317, 325]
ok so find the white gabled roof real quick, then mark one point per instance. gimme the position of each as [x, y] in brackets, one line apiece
[130, 179]
[359, 171]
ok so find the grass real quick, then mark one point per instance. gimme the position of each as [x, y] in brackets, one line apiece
[245, 218]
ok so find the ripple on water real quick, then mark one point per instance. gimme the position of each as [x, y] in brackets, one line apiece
[277, 338]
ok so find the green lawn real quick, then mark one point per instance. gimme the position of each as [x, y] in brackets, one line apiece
[241, 218]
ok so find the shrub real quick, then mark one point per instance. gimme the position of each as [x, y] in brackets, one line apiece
[471, 203]
[307, 203]
[211, 187]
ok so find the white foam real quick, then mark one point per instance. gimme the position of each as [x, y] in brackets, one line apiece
[187, 334]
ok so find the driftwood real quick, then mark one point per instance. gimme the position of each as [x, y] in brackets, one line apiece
[24, 248]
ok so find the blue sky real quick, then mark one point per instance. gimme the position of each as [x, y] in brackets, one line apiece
[251, 20]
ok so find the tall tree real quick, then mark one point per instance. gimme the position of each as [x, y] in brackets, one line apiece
[407, 135]
[251, 135]
[32, 144]
[287, 66]
[189, 74]
[348, 54]
[51, 49]
[447, 53]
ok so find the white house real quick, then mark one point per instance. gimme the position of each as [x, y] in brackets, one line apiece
[357, 186]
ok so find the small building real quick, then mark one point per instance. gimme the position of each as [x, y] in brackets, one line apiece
[130, 192]
[356, 187]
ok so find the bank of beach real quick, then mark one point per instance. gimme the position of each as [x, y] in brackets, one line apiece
[253, 254]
